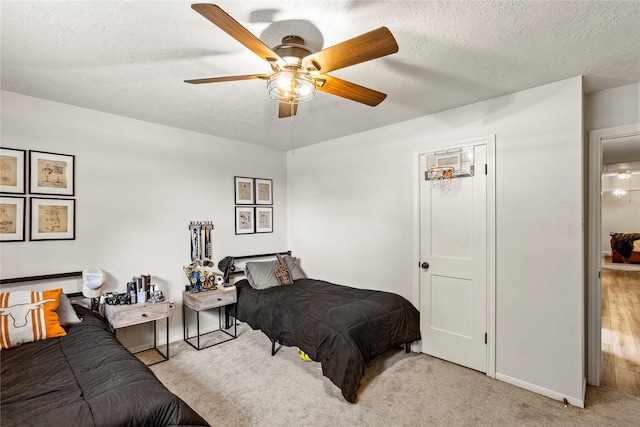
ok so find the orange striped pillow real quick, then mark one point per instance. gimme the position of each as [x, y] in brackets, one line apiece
[29, 316]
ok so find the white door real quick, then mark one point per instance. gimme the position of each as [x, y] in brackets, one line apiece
[453, 258]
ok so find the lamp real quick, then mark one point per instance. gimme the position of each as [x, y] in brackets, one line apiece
[92, 279]
[624, 175]
[291, 85]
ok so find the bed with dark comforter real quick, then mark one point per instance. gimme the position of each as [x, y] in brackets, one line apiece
[625, 247]
[341, 327]
[86, 378]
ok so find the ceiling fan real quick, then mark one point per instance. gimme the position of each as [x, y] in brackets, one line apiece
[298, 71]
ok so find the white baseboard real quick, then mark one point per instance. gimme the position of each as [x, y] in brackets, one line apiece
[543, 391]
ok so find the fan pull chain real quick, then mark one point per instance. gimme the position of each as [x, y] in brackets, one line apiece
[293, 135]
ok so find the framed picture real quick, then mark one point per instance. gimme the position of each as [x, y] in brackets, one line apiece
[245, 220]
[244, 190]
[264, 220]
[12, 219]
[264, 192]
[51, 173]
[12, 170]
[53, 219]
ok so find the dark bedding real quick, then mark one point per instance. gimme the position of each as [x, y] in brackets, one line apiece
[86, 378]
[341, 327]
[622, 243]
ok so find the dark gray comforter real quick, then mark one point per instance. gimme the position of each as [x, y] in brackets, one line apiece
[341, 327]
[86, 378]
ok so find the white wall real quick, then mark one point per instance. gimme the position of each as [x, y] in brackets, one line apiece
[138, 185]
[352, 212]
[613, 107]
[620, 214]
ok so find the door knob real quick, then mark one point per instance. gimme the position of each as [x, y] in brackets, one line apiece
[425, 265]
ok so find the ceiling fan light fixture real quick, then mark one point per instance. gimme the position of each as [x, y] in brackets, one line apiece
[624, 175]
[291, 85]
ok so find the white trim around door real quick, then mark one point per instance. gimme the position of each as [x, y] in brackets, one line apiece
[490, 142]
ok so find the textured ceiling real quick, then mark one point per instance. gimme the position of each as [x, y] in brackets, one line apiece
[130, 58]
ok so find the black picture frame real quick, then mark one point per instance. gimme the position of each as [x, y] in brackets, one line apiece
[245, 220]
[12, 218]
[263, 189]
[264, 219]
[52, 219]
[244, 189]
[13, 170]
[51, 174]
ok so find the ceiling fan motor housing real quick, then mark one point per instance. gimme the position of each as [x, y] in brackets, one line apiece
[292, 50]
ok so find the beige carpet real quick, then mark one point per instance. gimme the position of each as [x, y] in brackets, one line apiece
[239, 383]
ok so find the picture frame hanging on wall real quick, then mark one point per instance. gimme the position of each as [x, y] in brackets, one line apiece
[53, 219]
[264, 191]
[12, 170]
[264, 220]
[12, 216]
[245, 220]
[244, 191]
[51, 173]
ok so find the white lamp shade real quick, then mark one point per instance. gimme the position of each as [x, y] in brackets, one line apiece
[92, 279]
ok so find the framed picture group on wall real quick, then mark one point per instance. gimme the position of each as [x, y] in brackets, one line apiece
[50, 174]
[252, 198]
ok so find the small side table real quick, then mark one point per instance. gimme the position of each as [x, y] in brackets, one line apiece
[200, 301]
[121, 316]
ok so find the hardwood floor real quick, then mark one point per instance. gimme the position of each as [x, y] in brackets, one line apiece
[621, 331]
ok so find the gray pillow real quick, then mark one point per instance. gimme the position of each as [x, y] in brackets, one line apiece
[66, 314]
[261, 275]
[293, 264]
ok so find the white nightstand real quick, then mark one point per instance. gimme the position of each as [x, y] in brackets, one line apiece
[200, 301]
[121, 316]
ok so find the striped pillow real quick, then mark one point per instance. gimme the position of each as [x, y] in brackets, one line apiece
[29, 316]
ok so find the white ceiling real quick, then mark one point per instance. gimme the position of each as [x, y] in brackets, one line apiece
[130, 58]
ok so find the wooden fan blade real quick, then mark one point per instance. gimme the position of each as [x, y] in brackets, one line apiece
[228, 79]
[368, 46]
[287, 109]
[232, 27]
[348, 90]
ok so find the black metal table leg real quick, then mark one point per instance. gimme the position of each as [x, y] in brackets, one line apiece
[197, 337]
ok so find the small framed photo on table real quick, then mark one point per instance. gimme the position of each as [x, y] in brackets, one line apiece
[51, 173]
[12, 170]
[245, 220]
[244, 190]
[53, 219]
[264, 220]
[264, 192]
[12, 215]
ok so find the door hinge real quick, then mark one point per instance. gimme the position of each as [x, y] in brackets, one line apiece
[485, 338]
[485, 169]
[599, 274]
